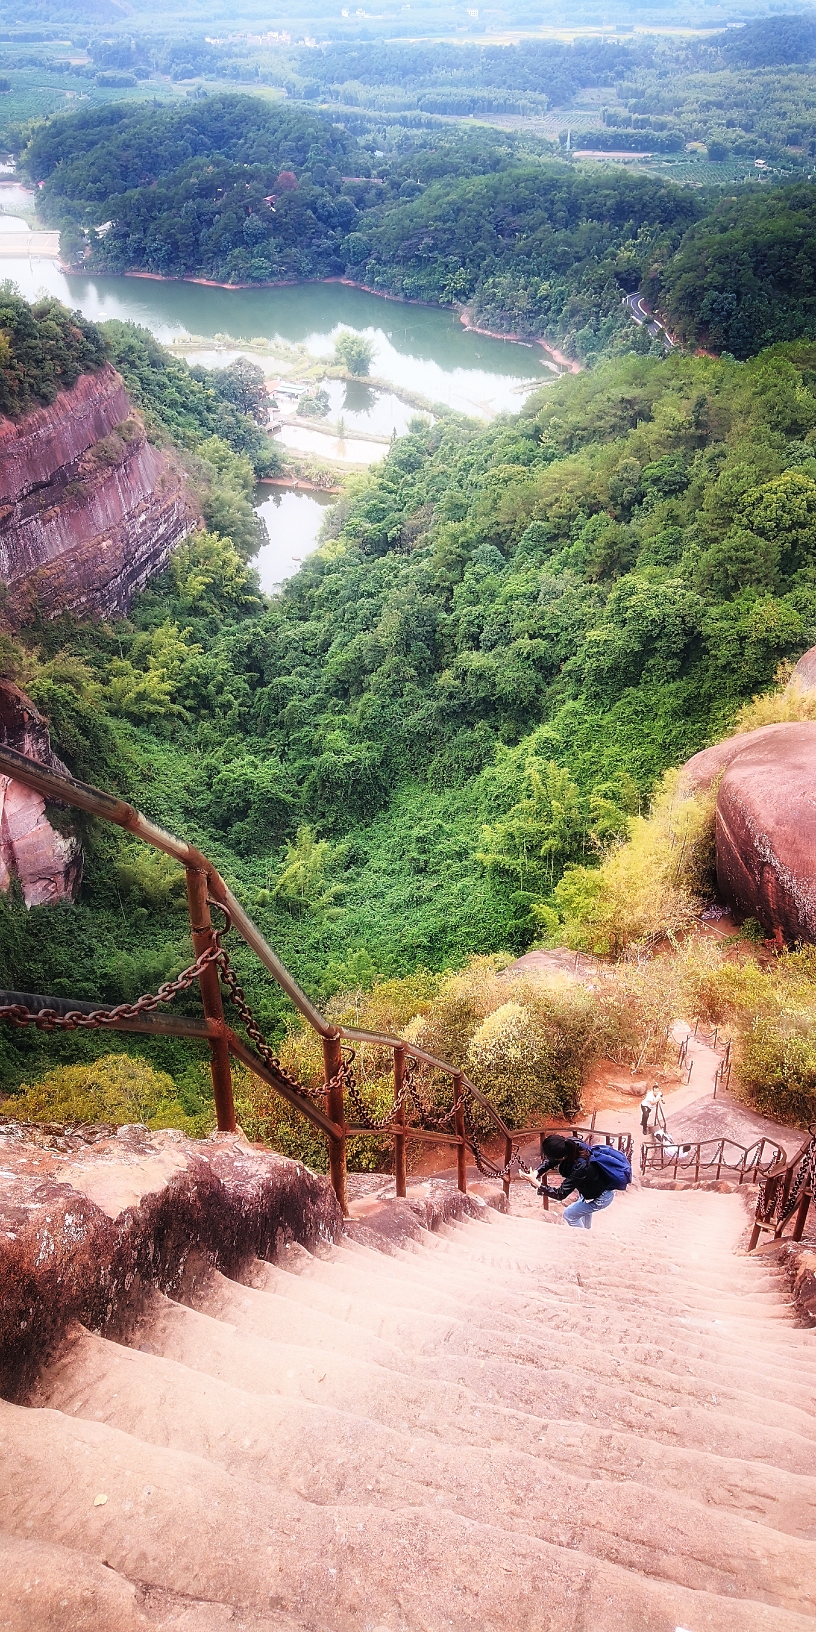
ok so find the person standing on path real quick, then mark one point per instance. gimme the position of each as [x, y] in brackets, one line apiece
[650, 1101]
[595, 1173]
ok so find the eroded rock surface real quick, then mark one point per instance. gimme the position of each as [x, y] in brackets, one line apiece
[89, 1229]
[766, 831]
[47, 863]
[703, 769]
[88, 510]
[765, 824]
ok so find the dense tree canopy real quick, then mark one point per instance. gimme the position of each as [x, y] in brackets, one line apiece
[508, 635]
[536, 247]
[743, 277]
[43, 350]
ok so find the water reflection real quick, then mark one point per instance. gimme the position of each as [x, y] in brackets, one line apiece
[293, 522]
[324, 444]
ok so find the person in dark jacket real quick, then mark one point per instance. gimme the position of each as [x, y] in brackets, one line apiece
[571, 1158]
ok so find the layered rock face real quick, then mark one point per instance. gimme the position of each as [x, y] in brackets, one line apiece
[93, 1221]
[88, 510]
[766, 824]
[47, 863]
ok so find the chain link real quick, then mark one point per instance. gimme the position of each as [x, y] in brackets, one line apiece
[774, 1212]
[76, 1019]
[346, 1077]
[51, 1020]
[237, 997]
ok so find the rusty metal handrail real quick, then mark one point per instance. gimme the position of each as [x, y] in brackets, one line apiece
[682, 1153]
[785, 1193]
[206, 887]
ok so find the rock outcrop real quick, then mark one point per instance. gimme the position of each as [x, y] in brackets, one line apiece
[766, 824]
[90, 1226]
[48, 864]
[804, 672]
[88, 510]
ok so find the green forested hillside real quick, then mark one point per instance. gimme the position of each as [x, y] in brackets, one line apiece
[743, 277]
[235, 189]
[239, 190]
[509, 635]
[537, 250]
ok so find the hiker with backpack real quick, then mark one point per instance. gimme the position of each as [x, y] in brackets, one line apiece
[595, 1171]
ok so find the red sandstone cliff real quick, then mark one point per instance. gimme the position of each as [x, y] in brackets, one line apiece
[48, 864]
[88, 510]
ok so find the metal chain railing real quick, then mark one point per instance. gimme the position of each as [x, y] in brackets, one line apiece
[349, 1082]
[18, 1014]
[776, 1202]
[237, 995]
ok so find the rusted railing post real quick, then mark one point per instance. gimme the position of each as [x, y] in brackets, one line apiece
[508, 1156]
[333, 1065]
[201, 926]
[459, 1129]
[399, 1120]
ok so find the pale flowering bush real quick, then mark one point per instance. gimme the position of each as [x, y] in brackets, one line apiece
[510, 1061]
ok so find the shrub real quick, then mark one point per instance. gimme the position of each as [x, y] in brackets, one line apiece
[117, 1088]
[777, 1068]
[788, 702]
[648, 887]
[150, 877]
[728, 992]
[464, 1000]
[509, 1060]
[354, 352]
[268, 1119]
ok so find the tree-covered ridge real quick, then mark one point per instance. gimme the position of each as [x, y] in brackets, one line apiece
[95, 155]
[467, 78]
[541, 250]
[535, 246]
[513, 632]
[743, 277]
[43, 350]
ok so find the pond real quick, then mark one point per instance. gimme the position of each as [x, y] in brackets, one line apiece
[293, 522]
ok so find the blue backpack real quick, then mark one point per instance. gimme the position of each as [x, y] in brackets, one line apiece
[613, 1164]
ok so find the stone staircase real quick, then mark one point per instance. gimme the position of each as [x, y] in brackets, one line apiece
[505, 1425]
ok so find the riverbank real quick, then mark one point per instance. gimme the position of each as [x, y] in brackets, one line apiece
[567, 363]
[298, 484]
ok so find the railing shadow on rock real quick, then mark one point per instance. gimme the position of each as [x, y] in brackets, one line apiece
[749, 1163]
[409, 1117]
[786, 1193]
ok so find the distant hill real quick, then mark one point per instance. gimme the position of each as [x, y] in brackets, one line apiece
[771, 42]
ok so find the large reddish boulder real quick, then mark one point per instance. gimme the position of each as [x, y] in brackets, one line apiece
[766, 824]
[766, 830]
[703, 769]
[804, 672]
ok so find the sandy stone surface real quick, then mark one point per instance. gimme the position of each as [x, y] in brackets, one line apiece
[88, 1230]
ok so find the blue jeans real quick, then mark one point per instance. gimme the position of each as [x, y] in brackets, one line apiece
[579, 1213]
